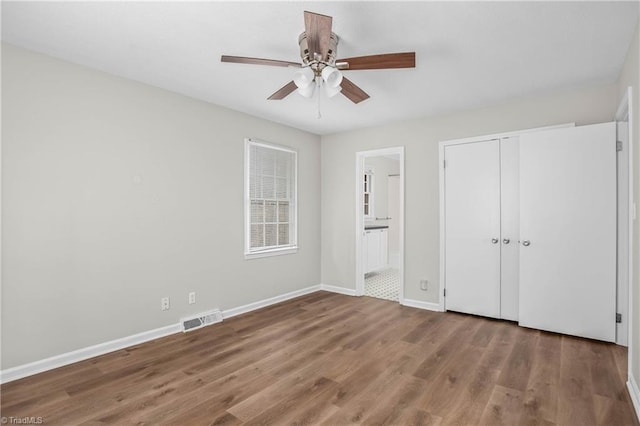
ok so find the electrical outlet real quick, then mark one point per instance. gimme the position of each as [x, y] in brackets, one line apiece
[423, 284]
[192, 297]
[164, 304]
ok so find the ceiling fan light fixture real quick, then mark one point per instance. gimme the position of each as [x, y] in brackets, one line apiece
[332, 91]
[304, 78]
[307, 91]
[331, 76]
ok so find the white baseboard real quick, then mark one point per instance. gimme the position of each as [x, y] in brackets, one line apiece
[634, 392]
[228, 313]
[46, 364]
[430, 306]
[61, 360]
[336, 289]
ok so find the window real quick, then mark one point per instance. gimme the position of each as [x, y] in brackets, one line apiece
[368, 194]
[270, 199]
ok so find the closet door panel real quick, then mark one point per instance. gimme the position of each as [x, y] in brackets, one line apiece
[510, 226]
[472, 221]
[568, 223]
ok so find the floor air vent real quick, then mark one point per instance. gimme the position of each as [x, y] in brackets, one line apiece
[201, 320]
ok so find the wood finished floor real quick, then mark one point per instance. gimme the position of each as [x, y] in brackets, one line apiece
[331, 359]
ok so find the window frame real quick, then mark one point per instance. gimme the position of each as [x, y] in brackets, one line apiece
[367, 179]
[277, 250]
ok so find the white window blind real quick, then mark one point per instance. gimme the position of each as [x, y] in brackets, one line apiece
[270, 203]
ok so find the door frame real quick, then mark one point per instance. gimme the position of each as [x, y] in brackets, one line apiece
[625, 110]
[624, 259]
[360, 167]
[442, 187]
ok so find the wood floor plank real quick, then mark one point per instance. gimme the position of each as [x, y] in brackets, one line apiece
[85, 407]
[428, 323]
[485, 333]
[446, 392]
[479, 388]
[515, 374]
[433, 334]
[575, 392]
[415, 417]
[620, 357]
[436, 362]
[281, 392]
[369, 372]
[48, 382]
[391, 410]
[314, 410]
[320, 390]
[141, 353]
[541, 397]
[610, 411]
[362, 399]
[603, 368]
[504, 408]
[331, 359]
[203, 398]
[31, 404]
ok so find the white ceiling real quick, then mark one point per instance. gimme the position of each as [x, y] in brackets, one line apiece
[469, 54]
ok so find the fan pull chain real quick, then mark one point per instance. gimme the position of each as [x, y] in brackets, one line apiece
[318, 91]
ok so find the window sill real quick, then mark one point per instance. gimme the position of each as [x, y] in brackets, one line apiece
[272, 252]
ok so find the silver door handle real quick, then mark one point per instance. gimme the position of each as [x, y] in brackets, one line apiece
[526, 243]
[495, 240]
[506, 241]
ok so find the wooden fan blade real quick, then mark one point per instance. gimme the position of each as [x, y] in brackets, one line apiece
[318, 30]
[283, 92]
[377, 62]
[353, 92]
[258, 61]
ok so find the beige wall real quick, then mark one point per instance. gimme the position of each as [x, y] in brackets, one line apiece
[420, 138]
[630, 77]
[115, 194]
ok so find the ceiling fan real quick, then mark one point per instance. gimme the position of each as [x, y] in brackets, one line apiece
[319, 67]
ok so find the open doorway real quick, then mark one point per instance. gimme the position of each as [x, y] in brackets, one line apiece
[380, 224]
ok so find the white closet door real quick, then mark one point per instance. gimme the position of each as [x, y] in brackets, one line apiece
[472, 228]
[568, 231]
[510, 226]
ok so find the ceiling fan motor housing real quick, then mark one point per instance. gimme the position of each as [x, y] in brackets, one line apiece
[310, 57]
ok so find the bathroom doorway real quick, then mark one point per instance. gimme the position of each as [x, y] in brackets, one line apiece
[380, 224]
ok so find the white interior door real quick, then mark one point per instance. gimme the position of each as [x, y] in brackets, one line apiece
[472, 228]
[510, 227]
[568, 231]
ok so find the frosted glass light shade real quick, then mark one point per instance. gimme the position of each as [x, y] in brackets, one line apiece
[307, 91]
[331, 91]
[332, 77]
[304, 78]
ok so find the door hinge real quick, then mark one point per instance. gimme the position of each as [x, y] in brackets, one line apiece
[444, 292]
[618, 146]
[618, 318]
[444, 164]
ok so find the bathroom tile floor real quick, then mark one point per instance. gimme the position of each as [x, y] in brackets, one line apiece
[383, 284]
